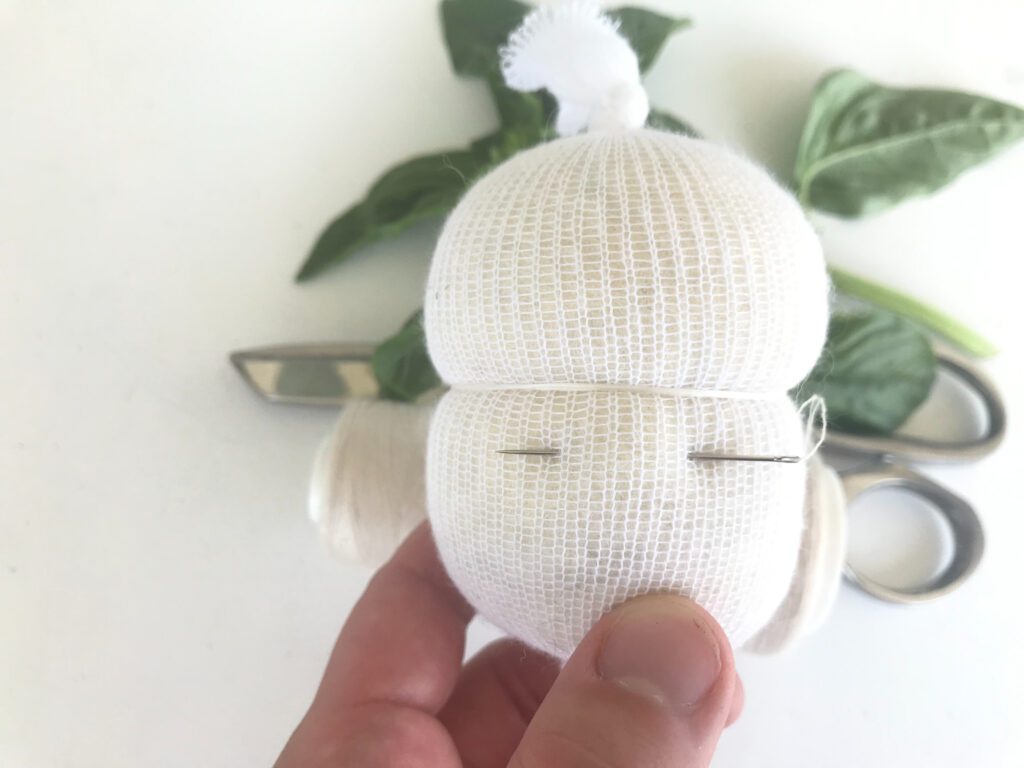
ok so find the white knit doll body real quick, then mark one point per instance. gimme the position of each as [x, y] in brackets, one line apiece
[620, 300]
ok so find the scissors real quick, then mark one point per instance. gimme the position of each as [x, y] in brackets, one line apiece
[332, 374]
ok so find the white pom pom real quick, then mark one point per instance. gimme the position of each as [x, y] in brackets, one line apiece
[578, 55]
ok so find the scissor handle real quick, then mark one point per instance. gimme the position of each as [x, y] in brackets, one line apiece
[350, 369]
[910, 448]
[968, 534]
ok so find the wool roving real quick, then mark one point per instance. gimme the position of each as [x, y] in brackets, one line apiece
[367, 491]
[625, 297]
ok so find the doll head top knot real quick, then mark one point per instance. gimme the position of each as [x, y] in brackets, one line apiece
[579, 56]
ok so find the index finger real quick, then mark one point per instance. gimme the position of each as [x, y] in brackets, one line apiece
[404, 640]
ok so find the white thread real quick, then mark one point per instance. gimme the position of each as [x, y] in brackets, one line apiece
[813, 411]
[574, 387]
[814, 405]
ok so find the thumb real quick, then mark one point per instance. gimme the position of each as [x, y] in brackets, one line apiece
[651, 684]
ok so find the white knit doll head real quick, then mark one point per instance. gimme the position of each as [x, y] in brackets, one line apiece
[620, 299]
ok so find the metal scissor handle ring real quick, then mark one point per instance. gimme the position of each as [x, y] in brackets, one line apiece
[968, 534]
[910, 448]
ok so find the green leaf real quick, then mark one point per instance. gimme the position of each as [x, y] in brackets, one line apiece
[430, 186]
[867, 147]
[646, 31]
[516, 109]
[876, 369]
[418, 189]
[663, 121]
[426, 187]
[934, 320]
[402, 365]
[474, 30]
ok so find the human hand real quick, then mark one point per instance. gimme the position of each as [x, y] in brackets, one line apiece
[653, 683]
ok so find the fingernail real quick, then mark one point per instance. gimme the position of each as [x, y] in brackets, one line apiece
[661, 647]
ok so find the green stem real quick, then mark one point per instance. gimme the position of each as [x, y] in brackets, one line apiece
[953, 330]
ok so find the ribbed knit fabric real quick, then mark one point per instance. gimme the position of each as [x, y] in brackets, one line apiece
[639, 259]
[543, 546]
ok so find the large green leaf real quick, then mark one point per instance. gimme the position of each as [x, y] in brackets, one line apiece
[866, 147]
[418, 189]
[876, 369]
[524, 113]
[646, 31]
[430, 186]
[402, 365]
[474, 30]
[426, 187]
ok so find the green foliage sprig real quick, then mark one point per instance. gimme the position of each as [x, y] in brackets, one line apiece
[401, 364]
[875, 370]
[865, 147]
[428, 187]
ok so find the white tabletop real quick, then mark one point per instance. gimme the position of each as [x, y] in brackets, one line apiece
[164, 166]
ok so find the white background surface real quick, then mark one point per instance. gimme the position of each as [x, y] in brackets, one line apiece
[163, 168]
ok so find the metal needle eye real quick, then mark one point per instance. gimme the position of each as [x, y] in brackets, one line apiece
[703, 456]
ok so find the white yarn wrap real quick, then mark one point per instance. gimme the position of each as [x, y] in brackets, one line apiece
[367, 491]
[578, 55]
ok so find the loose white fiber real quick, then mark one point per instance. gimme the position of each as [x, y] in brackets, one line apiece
[367, 491]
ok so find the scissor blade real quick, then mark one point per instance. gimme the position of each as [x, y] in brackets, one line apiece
[309, 374]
